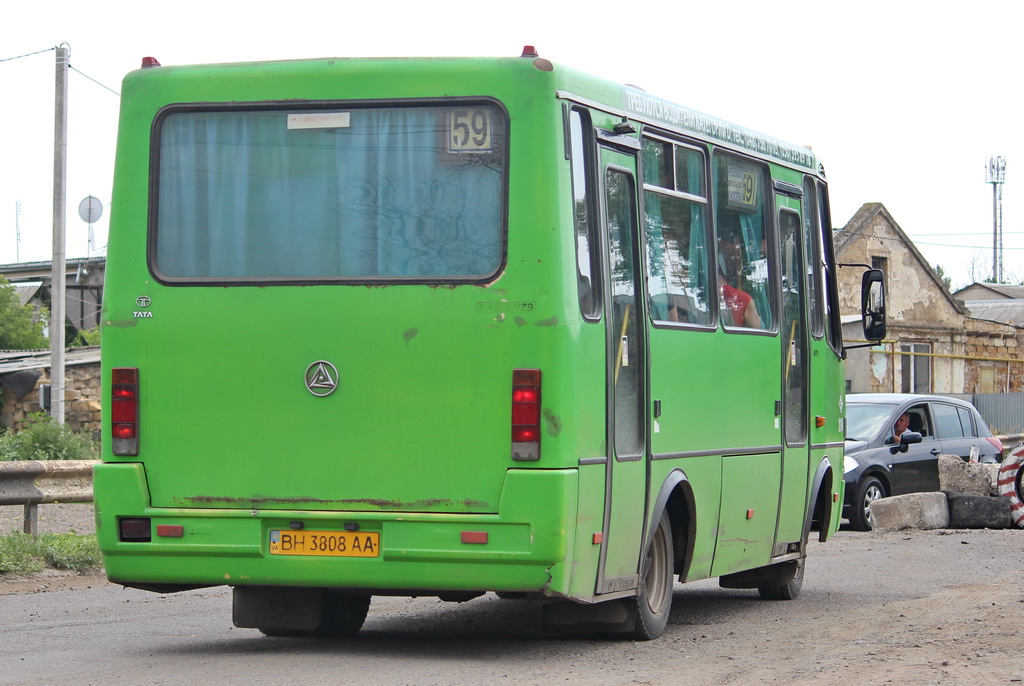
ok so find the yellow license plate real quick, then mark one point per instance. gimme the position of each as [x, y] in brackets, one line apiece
[325, 543]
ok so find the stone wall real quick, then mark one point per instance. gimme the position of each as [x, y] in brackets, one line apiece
[998, 358]
[81, 400]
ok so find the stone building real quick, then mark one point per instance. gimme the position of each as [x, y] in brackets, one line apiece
[934, 344]
[23, 372]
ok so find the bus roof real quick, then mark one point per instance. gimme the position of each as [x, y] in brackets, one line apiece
[571, 84]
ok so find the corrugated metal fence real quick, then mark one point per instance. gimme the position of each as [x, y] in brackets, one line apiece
[1004, 412]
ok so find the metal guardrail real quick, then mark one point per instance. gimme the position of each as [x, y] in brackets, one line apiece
[35, 482]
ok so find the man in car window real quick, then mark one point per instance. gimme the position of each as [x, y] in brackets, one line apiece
[899, 427]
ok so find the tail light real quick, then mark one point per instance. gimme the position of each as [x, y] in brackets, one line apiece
[996, 443]
[124, 410]
[525, 414]
[135, 530]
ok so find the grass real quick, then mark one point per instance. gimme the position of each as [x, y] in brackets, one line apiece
[23, 555]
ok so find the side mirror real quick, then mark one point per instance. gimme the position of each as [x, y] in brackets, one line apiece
[872, 304]
[907, 439]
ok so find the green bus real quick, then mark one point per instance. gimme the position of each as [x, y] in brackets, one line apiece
[456, 326]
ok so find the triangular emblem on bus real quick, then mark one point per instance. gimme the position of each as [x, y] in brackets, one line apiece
[321, 378]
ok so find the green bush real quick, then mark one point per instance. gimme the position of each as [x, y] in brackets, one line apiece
[45, 439]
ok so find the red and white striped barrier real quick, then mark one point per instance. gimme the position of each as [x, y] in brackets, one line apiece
[1010, 483]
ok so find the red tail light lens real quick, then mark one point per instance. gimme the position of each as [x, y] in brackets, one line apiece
[135, 530]
[124, 410]
[525, 414]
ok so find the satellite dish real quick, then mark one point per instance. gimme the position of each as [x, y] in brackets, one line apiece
[90, 210]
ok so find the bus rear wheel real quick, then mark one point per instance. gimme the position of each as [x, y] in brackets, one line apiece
[788, 590]
[341, 615]
[654, 597]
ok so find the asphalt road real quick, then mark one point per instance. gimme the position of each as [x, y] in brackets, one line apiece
[870, 602]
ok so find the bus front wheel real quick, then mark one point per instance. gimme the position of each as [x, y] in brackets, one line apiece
[654, 597]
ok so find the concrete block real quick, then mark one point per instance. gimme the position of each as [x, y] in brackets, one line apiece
[993, 477]
[963, 477]
[911, 511]
[978, 512]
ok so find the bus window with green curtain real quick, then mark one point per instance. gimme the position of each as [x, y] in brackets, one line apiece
[675, 225]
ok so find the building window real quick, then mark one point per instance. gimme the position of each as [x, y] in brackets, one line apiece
[987, 379]
[916, 367]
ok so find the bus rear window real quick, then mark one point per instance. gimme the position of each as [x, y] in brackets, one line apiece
[340, 194]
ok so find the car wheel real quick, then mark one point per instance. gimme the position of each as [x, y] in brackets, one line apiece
[869, 490]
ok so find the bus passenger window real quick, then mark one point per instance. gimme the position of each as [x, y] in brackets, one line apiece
[586, 256]
[675, 224]
[830, 297]
[743, 265]
[814, 264]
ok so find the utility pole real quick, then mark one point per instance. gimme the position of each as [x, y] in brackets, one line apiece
[17, 231]
[57, 285]
[996, 176]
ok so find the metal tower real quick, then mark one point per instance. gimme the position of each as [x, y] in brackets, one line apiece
[995, 175]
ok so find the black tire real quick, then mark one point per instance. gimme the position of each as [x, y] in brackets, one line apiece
[789, 590]
[657, 576]
[284, 633]
[341, 615]
[868, 491]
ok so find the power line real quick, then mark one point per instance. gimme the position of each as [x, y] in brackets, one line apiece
[968, 247]
[72, 68]
[941, 245]
[967, 233]
[38, 52]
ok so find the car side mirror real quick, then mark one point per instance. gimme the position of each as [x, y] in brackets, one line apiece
[872, 300]
[907, 438]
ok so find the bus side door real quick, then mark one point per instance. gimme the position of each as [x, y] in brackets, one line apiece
[795, 370]
[626, 335]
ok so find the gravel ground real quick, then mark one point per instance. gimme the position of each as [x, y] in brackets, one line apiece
[53, 519]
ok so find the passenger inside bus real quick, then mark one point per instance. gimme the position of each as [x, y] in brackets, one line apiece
[737, 305]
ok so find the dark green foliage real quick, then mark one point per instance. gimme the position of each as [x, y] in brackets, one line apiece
[19, 328]
[44, 439]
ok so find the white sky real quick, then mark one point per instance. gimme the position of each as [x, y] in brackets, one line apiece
[902, 101]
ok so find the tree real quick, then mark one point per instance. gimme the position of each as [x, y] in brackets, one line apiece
[946, 280]
[19, 328]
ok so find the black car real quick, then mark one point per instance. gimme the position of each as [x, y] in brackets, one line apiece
[878, 464]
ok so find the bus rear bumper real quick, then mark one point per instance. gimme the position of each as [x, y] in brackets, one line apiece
[520, 548]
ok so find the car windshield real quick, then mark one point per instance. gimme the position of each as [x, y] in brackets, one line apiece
[865, 420]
